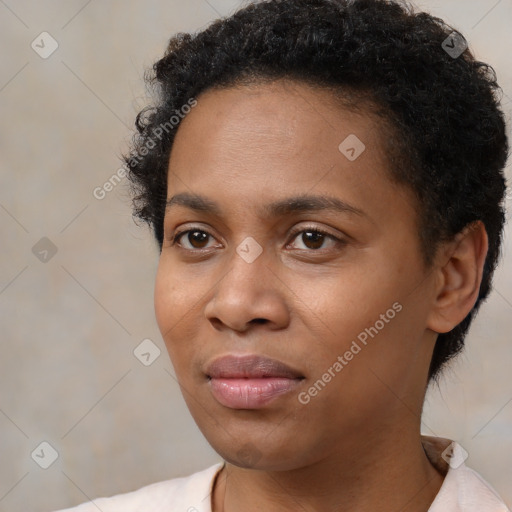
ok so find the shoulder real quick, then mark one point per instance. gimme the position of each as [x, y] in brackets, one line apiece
[186, 494]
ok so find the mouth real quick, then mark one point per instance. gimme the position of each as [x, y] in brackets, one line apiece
[250, 381]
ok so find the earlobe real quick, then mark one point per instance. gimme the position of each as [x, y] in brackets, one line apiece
[460, 270]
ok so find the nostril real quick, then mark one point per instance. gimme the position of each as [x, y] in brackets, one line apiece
[260, 320]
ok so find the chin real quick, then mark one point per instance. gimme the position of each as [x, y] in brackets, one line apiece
[257, 454]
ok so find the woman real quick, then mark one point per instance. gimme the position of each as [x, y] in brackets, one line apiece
[324, 179]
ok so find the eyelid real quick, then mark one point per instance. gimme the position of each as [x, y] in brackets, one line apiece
[317, 229]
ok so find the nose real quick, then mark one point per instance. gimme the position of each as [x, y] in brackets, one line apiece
[248, 294]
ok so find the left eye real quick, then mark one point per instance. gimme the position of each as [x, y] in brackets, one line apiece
[314, 238]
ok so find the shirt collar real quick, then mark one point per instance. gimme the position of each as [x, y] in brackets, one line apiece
[463, 489]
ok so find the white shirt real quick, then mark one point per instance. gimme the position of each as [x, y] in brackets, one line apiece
[463, 490]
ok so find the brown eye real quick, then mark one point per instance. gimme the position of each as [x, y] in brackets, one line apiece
[314, 239]
[195, 239]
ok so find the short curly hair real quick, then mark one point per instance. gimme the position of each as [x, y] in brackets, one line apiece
[447, 139]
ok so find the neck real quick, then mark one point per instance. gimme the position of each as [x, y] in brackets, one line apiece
[383, 472]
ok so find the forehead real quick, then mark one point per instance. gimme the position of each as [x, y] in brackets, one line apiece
[280, 112]
[265, 141]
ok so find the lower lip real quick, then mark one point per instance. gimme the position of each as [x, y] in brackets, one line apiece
[250, 393]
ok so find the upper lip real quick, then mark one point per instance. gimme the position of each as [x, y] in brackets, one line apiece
[249, 366]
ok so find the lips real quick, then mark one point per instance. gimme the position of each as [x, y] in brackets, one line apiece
[250, 381]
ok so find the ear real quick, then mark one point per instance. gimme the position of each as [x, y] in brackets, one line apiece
[459, 270]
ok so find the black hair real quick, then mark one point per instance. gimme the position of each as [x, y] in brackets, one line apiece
[447, 141]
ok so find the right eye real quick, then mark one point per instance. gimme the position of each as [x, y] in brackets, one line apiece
[195, 239]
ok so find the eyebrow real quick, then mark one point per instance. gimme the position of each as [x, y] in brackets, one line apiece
[283, 207]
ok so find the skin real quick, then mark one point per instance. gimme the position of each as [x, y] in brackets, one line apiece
[356, 445]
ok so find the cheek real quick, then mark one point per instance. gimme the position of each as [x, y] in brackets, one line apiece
[163, 298]
[350, 300]
[171, 302]
[176, 300]
[373, 307]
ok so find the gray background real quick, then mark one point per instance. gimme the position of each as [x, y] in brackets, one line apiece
[68, 375]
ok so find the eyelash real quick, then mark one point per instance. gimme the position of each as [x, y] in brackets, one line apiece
[293, 235]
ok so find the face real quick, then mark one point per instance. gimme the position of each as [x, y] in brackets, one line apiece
[291, 292]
